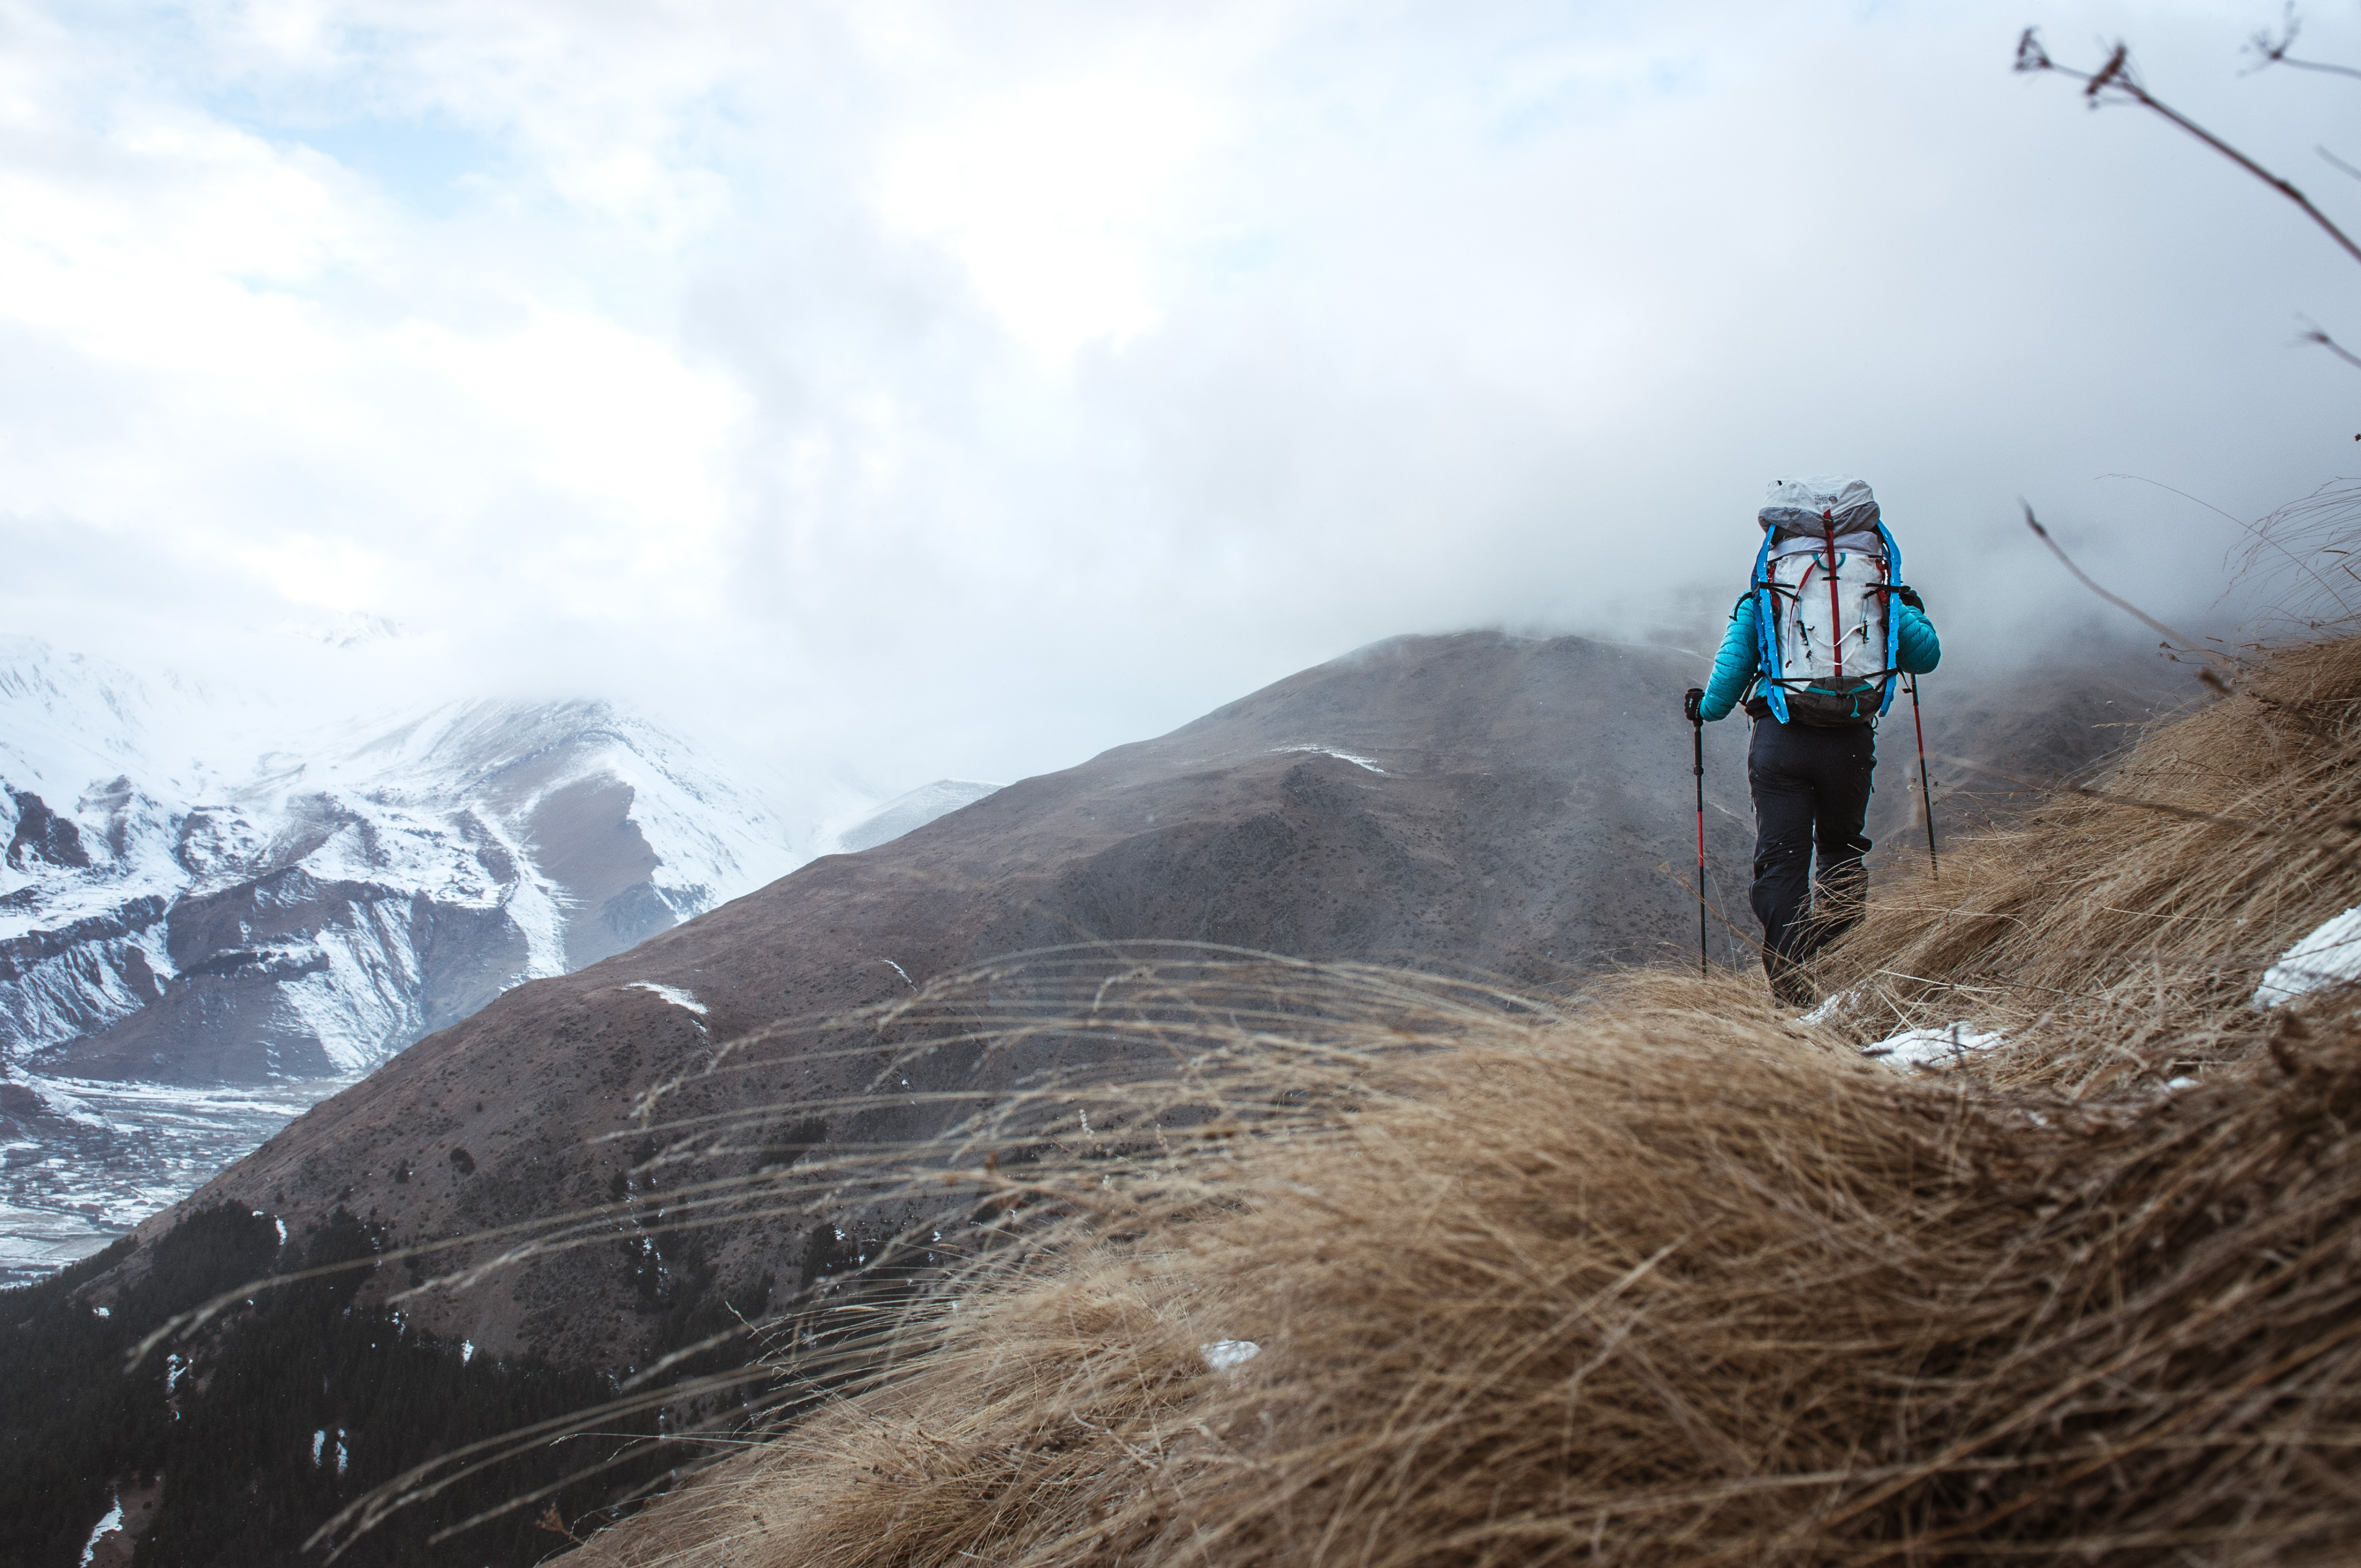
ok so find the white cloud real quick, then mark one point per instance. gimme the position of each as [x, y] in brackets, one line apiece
[959, 391]
[1056, 199]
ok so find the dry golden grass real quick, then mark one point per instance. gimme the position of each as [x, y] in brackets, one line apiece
[2117, 943]
[1656, 1276]
[1672, 1284]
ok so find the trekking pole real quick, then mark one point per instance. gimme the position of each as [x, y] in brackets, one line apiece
[1697, 726]
[1925, 790]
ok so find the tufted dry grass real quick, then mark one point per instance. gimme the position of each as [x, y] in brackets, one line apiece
[2116, 935]
[1673, 1284]
[1653, 1276]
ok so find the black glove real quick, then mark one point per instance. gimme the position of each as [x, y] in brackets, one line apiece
[1693, 705]
[1909, 595]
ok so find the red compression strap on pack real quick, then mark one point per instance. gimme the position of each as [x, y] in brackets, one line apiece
[1836, 613]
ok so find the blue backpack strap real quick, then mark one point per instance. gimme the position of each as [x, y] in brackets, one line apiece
[1892, 621]
[1766, 632]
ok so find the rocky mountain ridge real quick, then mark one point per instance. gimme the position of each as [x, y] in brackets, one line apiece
[1519, 806]
[286, 907]
[1485, 801]
[216, 908]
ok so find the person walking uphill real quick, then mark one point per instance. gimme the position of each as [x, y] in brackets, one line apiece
[1814, 651]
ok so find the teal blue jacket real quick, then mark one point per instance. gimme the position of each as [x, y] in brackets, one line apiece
[1916, 651]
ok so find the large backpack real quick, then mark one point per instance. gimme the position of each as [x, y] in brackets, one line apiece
[1822, 582]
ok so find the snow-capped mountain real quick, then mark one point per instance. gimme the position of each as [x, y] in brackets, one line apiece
[204, 887]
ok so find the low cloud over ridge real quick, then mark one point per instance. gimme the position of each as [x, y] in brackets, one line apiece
[936, 395]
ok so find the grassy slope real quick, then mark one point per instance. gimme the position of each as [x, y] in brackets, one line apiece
[1662, 1277]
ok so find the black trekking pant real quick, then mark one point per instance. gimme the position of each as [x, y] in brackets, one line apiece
[1811, 790]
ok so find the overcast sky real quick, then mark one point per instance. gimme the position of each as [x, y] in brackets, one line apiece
[960, 389]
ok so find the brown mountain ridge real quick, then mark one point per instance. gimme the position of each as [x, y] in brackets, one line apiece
[1496, 803]
[1501, 804]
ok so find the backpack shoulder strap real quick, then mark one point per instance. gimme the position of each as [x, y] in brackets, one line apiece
[1893, 621]
[1766, 632]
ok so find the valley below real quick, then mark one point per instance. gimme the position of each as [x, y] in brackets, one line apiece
[84, 1160]
[215, 911]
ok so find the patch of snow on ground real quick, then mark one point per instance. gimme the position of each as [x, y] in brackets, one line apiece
[1333, 752]
[1223, 1354]
[2328, 955]
[1932, 1047]
[674, 995]
[1827, 1011]
[100, 1531]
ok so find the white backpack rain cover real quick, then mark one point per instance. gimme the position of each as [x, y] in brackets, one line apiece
[1821, 582]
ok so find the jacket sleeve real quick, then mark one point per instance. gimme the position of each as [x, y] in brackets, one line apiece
[1917, 649]
[1735, 665]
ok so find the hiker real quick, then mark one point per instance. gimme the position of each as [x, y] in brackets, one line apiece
[1814, 647]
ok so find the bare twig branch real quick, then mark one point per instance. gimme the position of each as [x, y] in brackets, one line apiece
[2151, 622]
[2312, 334]
[2116, 76]
[2338, 162]
[2274, 51]
[2320, 65]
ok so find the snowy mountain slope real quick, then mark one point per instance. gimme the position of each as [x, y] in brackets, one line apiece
[908, 813]
[206, 887]
[216, 908]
